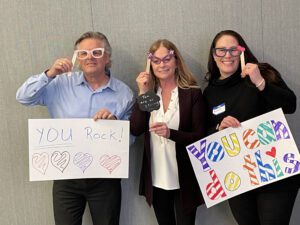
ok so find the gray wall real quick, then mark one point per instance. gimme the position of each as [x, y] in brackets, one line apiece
[35, 32]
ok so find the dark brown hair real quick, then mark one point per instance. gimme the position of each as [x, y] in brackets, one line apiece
[267, 71]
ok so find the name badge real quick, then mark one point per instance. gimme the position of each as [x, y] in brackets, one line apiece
[219, 109]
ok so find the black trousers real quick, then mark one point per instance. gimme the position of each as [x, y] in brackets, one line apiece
[102, 195]
[263, 207]
[168, 208]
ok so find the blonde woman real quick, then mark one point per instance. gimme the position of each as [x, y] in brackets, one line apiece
[167, 178]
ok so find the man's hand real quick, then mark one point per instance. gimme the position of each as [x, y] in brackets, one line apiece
[105, 115]
[60, 66]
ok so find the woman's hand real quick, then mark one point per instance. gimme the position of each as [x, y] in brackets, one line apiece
[228, 121]
[161, 129]
[144, 82]
[254, 74]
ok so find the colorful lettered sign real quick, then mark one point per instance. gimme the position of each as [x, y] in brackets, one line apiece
[236, 160]
[78, 148]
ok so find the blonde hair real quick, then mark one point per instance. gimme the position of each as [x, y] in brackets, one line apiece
[184, 77]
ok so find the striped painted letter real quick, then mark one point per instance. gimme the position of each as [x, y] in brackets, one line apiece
[290, 158]
[250, 166]
[265, 133]
[215, 152]
[200, 155]
[248, 134]
[235, 149]
[232, 181]
[280, 130]
[265, 170]
[214, 189]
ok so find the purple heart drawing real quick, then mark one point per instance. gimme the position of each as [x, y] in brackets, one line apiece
[60, 160]
[40, 162]
[110, 162]
[83, 160]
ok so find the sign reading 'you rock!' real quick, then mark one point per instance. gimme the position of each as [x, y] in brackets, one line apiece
[235, 160]
[78, 148]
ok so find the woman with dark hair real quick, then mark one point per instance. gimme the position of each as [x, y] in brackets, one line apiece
[167, 179]
[234, 95]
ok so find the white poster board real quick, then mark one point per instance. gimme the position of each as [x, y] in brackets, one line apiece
[78, 148]
[236, 160]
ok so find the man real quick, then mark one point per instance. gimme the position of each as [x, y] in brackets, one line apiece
[92, 92]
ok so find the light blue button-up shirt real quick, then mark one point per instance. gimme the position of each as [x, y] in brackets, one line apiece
[72, 97]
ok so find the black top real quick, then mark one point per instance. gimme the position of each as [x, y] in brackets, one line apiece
[244, 101]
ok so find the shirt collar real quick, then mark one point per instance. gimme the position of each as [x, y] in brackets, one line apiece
[110, 84]
[80, 79]
[174, 91]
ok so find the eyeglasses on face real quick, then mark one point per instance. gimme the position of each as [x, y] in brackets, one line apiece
[165, 59]
[96, 53]
[221, 52]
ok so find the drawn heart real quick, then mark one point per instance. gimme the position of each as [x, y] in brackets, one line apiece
[83, 160]
[110, 162]
[272, 153]
[40, 162]
[60, 160]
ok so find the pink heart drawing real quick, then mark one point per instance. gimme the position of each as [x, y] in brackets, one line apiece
[60, 160]
[272, 153]
[40, 162]
[83, 160]
[110, 162]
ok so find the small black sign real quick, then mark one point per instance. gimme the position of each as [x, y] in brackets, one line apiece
[148, 101]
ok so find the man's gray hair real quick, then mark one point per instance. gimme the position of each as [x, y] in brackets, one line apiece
[101, 37]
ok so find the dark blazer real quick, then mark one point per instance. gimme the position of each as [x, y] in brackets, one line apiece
[191, 129]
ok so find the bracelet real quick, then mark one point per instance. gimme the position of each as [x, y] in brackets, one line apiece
[260, 83]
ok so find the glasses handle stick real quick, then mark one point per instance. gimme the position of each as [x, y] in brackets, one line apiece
[73, 63]
[242, 56]
[148, 66]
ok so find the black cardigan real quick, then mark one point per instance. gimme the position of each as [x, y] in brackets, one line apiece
[191, 128]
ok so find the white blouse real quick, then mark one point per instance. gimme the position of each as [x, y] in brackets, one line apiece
[163, 151]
